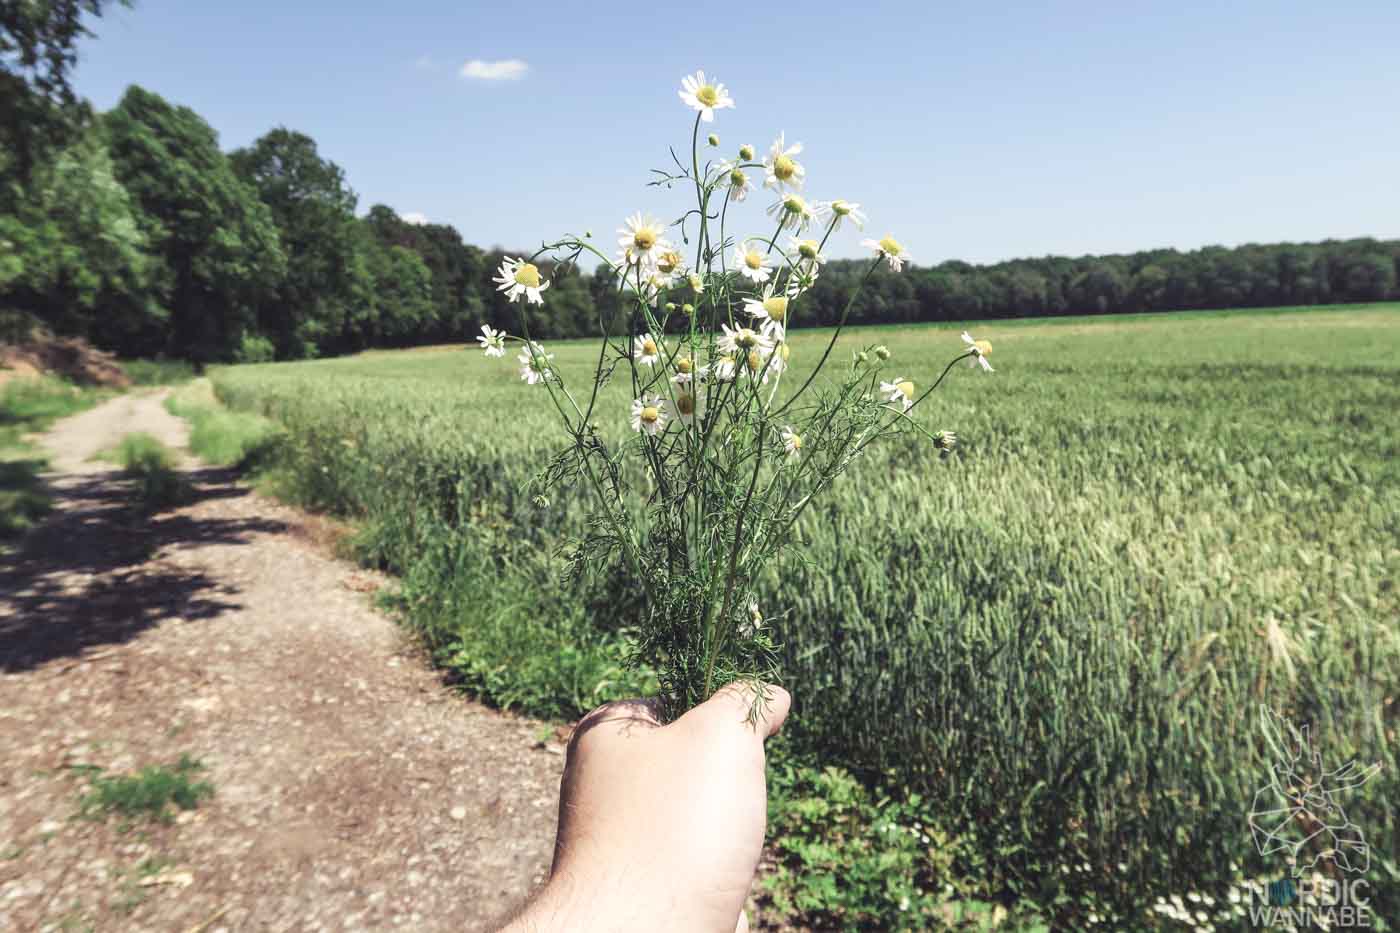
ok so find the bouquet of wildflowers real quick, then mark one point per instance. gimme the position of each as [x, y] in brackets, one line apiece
[731, 436]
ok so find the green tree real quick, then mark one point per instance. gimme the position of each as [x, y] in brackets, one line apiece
[215, 242]
[314, 210]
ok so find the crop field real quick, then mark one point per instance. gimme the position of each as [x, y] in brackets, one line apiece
[1061, 636]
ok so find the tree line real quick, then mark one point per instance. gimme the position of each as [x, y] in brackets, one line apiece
[134, 229]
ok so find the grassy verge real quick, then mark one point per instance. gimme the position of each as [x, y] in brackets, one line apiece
[158, 372]
[28, 406]
[218, 435]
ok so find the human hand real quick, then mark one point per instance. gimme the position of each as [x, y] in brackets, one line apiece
[660, 827]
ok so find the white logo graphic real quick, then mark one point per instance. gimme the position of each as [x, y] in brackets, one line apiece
[1299, 812]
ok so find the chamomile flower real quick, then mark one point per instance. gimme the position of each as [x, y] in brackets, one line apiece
[782, 353]
[769, 312]
[738, 182]
[752, 264]
[900, 391]
[685, 407]
[981, 349]
[792, 211]
[792, 443]
[696, 282]
[670, 264]
[647, 349]
[649, 414]
[746, 153]
[841, 211]
[801, 278]
[757, 364]
[685, 371]
[809, 252]
[704, 95]
[641, 240]
[722, 369]
[891, 249]
[945, 440]
[518, 278]
[754, 623]
[492, 341]
[739, 341]
[781, 168]
[534, 363]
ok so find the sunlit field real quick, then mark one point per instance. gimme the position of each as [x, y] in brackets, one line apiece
[1060, 635]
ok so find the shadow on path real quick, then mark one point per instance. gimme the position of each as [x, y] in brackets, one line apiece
[89, 576]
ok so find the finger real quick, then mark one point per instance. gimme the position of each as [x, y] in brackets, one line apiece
[760, 709]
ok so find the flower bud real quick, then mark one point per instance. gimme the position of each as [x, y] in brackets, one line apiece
[670, 306]
[687, 309]
[882, 352]
[945, 440]
[746, 152]
[713, 139]
[588, 234]
[862, 357]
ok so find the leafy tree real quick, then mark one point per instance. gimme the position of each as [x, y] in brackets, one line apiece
[214, 241]
[314, 211]
[38, 49]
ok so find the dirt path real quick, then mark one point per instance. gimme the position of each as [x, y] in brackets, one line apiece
[351, 790]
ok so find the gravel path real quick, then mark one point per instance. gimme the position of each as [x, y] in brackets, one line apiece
[351, 790]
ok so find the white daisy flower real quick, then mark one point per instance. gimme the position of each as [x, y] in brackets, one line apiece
[518, 278]
[801, 278]
[647, 349]
[685, 407]
[751, 627]
[685, 371]
[492, 341]
[752, 264]
[899, 391]
[793, 211]
[738, 341]
[723, 369]
[841, 211]
[781, 169]
[792, 443]
[696, 282]
[769, 312]
[534, 363]
[981, 349]
[704, 96]
[808, 251]
[671, 264]
[891, 249]
[737, 181]
[641, 240]
[649, 414]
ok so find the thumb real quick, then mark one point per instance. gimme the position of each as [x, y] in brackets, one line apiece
[760, 709]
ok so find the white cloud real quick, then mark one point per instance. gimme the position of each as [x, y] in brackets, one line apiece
[414, 217]
[510, 69]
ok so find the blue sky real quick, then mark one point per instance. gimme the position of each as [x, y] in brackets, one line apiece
[974, 131]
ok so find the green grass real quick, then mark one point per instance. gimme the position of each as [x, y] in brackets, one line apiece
[218, 435]
[152, 466]
[1057, 639]
[29, 406]
[158, 372]
[147, 794]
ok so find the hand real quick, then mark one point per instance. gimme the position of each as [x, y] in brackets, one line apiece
[660, 827]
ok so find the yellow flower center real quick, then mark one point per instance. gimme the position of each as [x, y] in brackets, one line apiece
[795, 442]
[684, 365]
[890, 246]
[841, 208]
[527, 274]
[755, 361]
[649, 347]
[644, 239]
[786, 351]
[906, 387]
[707, 95]
[685, 403]
[745, 338]
[668, 261]
[776, 307]
[737, 178]
[794, 205]
[753, 259]
[984, 347]
[746, 153]
[650, 414]
[784, 168]
[807, 249]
